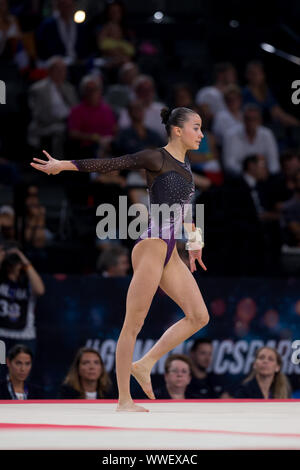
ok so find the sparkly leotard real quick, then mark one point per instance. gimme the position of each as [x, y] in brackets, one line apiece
[169, 181]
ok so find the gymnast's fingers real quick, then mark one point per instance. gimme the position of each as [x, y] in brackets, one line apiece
[40, 161]
[39, 167]
[47, 155]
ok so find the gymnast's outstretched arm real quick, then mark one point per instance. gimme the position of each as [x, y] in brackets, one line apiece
[148, 159]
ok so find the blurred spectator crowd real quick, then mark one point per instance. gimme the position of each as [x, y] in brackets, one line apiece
[95, 89]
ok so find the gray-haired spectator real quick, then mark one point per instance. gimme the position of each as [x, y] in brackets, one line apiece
[119, 94]
[114, 262]
[144, 89]
[250, 138]
[56, 95]
[211, 98]
[228, 118]
[92, 122]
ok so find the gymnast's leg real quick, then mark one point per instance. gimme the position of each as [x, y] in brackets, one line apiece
[148, 263]
[178, 283]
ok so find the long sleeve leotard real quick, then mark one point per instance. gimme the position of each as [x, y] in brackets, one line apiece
[169, 181]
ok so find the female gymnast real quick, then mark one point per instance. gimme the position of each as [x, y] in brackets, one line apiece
[155, 261]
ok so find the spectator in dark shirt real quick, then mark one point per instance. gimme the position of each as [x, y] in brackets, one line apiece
[290, 216]
[60, 35]
[87, 377]
[178, 368]
[137, 136]
[282, 185]
[258, 92]
[266, 379]
[16, 385]
[114, 262]
[204, 384]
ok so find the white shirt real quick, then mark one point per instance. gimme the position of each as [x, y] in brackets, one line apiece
[251, 181]
[211, 96]
[152, 119]
[223, 122]
[237, 146]
[91, 395]
[59, 108]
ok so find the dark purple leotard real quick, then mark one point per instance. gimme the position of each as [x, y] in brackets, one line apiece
[169, 181]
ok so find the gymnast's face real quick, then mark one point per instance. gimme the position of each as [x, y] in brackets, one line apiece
[190, 134]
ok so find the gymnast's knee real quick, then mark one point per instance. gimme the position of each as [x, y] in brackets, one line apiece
[199, 320]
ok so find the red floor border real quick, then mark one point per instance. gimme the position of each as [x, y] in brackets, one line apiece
[102, 401]
[116, 428]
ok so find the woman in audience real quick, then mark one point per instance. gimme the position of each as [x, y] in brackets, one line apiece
[178, 374]
[266, 379]
[258, 92]
[87, 377]
[16, 386]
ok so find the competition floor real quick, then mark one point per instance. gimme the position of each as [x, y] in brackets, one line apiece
[189, 424]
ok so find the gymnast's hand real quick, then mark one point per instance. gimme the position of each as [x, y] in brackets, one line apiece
[193, 256]
[50, 166]
[196, 255]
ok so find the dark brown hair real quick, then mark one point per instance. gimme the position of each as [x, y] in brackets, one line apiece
[175, 117]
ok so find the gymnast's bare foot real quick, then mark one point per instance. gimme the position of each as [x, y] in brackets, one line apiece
[142, 375]
[130, 406]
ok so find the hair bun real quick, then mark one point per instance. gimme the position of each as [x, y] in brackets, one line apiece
[165, 114]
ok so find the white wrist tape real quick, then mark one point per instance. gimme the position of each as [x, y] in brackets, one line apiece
[195, 241]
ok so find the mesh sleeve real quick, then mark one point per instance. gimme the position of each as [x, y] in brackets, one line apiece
[148, 159]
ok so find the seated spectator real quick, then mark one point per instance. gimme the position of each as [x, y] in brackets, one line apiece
[35, 221]
[250, 138]
[290, 216]
[20, 285]
[205, 162]
[92, 123]
[114, 262]
[60, 35]
[137, 189]
[11, 44]
[228, 118]
[118, 95]
[204, 384]
[211, 98]
[87, 377]
[9, 171]
[113, 46]
[266, 379]
[144, 90]
[282, 185]
[258, 92]
[16, 386]
[177, 377]
[7, 223]
[137, 136]
[183, 96]
[54, 93]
